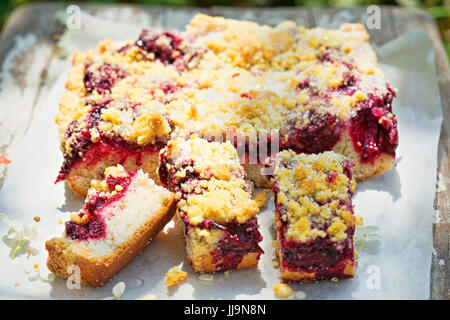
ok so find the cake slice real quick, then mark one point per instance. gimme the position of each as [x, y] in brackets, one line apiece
[121, 215]
[314, 215]
[215, 205]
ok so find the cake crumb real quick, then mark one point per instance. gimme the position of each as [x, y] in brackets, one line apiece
[60, 221]
[16, 284]
[358, 220]
[282, 290]
[149, 296]
[274, 244]
[37, 218]
[261, 198]
[276, 264]
[175, 276]
[4, 160]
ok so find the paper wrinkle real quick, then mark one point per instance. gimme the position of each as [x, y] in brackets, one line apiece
[399, 202]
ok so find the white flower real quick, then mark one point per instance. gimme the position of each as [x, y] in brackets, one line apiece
[300, 295]
[117, 291]
[206, 277]
[19, 237]
[35, 273]
[366, 237]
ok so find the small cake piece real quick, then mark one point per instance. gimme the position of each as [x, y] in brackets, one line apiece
[215, 207]
[150, 296]
[314, 215]
[175, 276]
[121, 215]
[282, 290]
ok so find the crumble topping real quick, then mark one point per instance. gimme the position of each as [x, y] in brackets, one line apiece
[261, 198]
[210, 179]
[218, 200]
[207, 159]
[314, 192]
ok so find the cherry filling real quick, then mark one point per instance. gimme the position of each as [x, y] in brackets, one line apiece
[303, 85]
[325, 56]
[103, 78]
[95, 227]
[331, 177]
[321, 134]
[168, 178]
[167, 47]
[349, 84]
[163, 172]
[92, 152]
[93, 230]
[239, 239]
[82, 143]
[321, 255]
[374, 129]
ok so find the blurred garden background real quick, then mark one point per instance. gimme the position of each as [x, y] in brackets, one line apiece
[439, 9]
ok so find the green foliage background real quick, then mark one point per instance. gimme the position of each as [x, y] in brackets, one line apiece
[439, 9]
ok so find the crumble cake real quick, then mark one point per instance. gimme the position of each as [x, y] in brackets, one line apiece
[319, 89]
[314, 215]
[121, 215]
[215, 205]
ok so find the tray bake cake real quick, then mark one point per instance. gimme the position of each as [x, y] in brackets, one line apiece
[121, 215]
[318, 89]
[215, 205]
[204, 112]
[314, 215]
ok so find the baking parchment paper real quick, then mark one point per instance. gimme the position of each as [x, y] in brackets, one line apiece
[395, 260]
